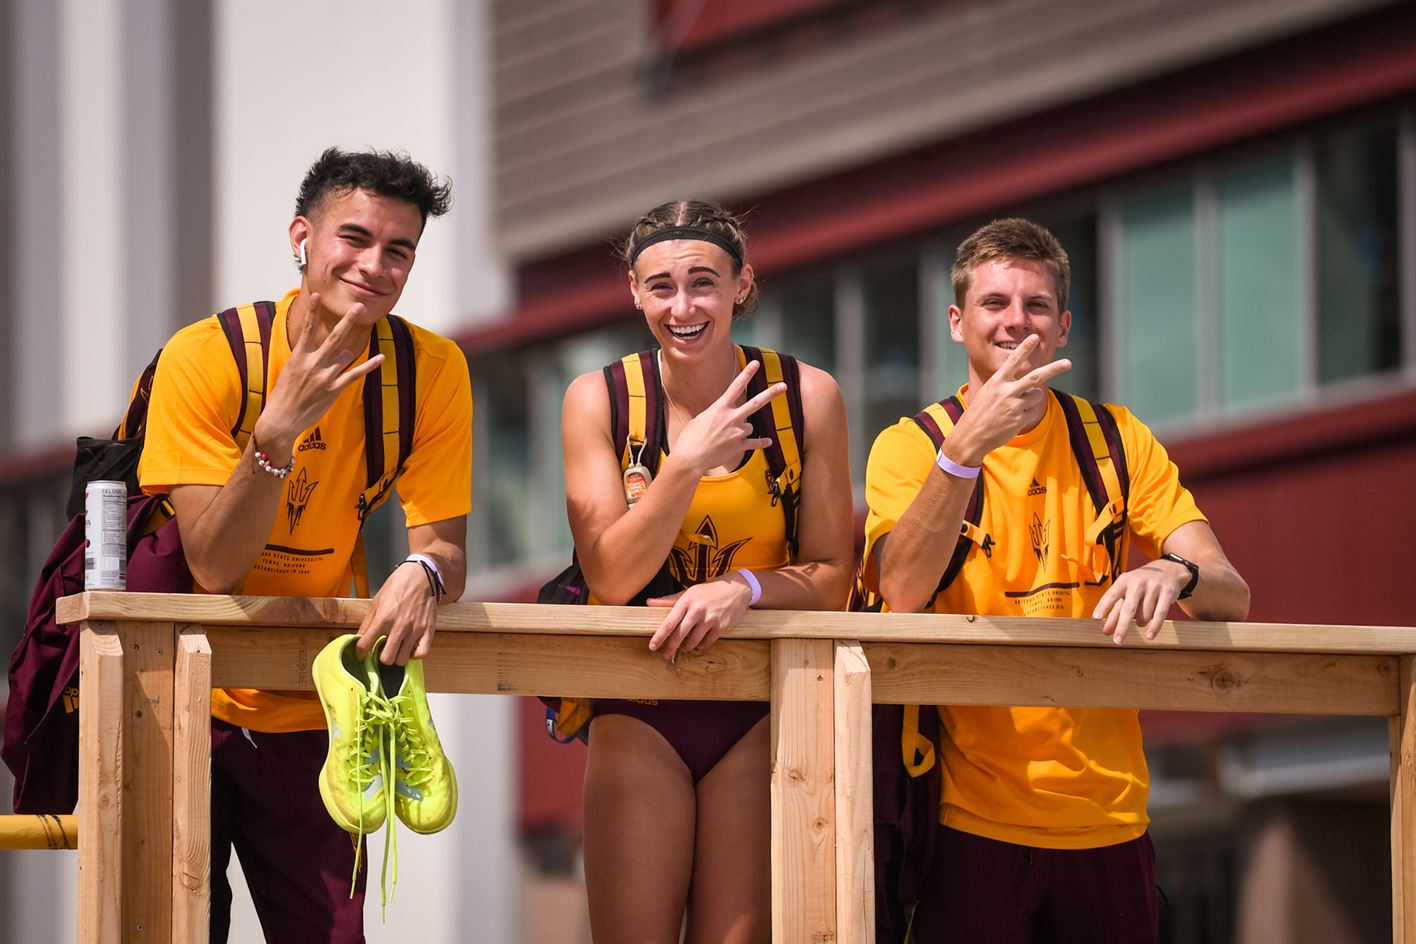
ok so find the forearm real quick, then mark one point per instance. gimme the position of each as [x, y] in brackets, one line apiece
[913, 558]
[1221, 593]
[622, 559]
[223, 534]
[805, 585]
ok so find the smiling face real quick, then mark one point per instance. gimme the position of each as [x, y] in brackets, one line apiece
[360, 248]
[1007, 300]
[687, 289]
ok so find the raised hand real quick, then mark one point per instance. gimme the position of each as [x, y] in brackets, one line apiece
[1006, 404]
[315, 375]
[722, 433]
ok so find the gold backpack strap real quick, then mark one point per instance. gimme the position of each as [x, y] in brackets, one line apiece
[637, 409]
[916, 750]
[254, 341]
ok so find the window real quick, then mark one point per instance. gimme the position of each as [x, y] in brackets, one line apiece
[808, 324]
[890, 302]
[1359, 311]
[1155, 301]
[1261, 340]
[501, 479]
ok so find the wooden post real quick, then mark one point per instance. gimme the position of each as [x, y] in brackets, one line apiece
[101, 756]
[803, 793]
[1403, 807]
[191, 789]
[149, 655]
[855, 811]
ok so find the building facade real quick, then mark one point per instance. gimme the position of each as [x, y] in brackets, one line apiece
[1235, 181]
[1236, 185]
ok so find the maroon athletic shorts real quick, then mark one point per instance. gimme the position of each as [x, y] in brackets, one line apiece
[700, 732]
[983, 890]
[265, 801]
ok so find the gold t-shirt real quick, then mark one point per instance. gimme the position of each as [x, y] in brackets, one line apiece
[1062, 778]
[196, 396]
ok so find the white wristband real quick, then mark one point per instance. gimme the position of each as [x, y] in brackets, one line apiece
[950, 467]
[432, 566]
[751, 579]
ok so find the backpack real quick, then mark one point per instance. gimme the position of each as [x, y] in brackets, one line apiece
[907, 783]
[638, 426]
[41, 729]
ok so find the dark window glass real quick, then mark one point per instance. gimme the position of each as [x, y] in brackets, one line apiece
[891, 303]
[1358, 309]
[808, 329]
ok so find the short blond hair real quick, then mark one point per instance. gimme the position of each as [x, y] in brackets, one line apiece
[1013, 238]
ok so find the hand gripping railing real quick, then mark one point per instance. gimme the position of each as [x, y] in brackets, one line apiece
[149, 661]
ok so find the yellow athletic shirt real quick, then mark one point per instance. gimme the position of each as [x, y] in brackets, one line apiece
[1059, 778]
[731, 523]
[196, 397]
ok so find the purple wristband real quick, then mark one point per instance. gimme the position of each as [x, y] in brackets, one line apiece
[953, 468]
[751, 579]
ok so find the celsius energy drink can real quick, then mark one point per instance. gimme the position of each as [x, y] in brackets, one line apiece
[106, 530]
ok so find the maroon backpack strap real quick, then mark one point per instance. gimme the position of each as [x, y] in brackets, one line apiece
[618, 389]
[973, 512]
[247, 330]
[398, 370]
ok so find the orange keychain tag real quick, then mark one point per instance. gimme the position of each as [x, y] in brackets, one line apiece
[636, 479]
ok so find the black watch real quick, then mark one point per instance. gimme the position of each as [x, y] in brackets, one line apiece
[1189, 565]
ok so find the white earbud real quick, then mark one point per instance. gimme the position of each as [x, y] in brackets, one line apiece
[300, 260]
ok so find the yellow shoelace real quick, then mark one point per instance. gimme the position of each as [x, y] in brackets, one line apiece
[413, 764]
[375, 737]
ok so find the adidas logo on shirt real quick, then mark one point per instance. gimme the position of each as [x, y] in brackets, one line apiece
[312, 441]
[1033, 489]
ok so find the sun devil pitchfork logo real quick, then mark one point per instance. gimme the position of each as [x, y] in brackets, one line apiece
[297, 496]
[706, 559]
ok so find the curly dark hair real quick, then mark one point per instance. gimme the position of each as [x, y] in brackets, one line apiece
[386, 173]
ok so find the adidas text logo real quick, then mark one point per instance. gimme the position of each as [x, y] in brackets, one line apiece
[1033, 489]
[312, 441]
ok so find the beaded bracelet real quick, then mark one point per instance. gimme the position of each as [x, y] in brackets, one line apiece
[263, 463]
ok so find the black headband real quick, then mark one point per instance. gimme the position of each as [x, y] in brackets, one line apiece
[687, 232]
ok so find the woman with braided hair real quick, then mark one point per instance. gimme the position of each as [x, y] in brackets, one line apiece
[746, 496]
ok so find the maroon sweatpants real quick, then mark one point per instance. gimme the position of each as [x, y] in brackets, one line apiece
[265, 802]
[984, 890]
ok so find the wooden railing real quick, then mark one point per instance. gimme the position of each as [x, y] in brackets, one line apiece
[149, 662]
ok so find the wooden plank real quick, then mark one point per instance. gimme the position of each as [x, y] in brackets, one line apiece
[1403, 807]
[191, 788]
[472, 663]
[100, 891]
[149, 656]
[39, 831]
[1120, 678]
[855, 811]
[548, 620]
[803, 795]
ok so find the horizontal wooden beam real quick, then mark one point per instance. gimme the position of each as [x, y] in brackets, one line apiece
[1323, 684]
[493, 663]
[547, 620]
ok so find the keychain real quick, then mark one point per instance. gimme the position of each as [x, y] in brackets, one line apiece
[636, 478]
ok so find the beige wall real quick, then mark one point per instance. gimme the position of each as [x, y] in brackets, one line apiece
[156, 147]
